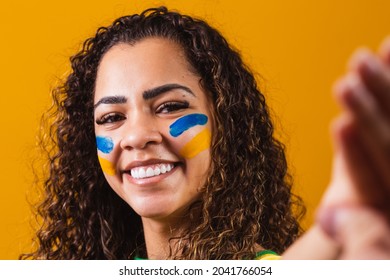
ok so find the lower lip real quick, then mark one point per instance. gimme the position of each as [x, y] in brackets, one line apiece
[149, 180]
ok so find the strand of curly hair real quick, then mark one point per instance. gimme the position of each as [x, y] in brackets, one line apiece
[247, 198]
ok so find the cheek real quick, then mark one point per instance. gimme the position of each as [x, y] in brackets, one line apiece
[191, 134]
[105, 146]
[200, 142]
[107, 166]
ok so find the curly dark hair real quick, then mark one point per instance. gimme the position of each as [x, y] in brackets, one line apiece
[247, 198]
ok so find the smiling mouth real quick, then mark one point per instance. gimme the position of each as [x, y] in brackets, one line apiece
[149, 171]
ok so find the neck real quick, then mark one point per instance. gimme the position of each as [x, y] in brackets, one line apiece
[157, 237]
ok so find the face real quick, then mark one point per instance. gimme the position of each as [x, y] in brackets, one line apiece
[153, 127]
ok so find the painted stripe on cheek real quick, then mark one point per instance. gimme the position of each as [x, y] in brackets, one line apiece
[107, 166]
[186, 122]
[104, 144]
[197, 144]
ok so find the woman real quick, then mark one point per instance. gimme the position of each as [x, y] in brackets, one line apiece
[163, 149]
[227, 196]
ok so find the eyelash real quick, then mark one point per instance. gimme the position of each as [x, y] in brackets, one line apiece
[172, 106]
[168, 106]
[110, 118]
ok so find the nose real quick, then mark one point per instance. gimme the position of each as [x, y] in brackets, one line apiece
[140, 131]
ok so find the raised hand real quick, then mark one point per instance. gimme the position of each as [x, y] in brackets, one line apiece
[362, 132]
[355, 211]
[353, 220]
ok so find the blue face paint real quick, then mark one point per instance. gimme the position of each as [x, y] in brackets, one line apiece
[104, 144]
[186, 122]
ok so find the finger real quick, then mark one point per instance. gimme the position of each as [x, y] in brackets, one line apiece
[341, 189]
[362, 232]
[372, 126]
[384, 51]
[363, 180]
[374, 75]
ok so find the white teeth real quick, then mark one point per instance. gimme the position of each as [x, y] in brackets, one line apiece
[146, 172]
[141, 173]
[149, 172]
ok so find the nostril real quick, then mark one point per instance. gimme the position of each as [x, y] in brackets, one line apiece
[140, 138]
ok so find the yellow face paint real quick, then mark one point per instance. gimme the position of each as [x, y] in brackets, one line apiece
[197, 144]
[106, 166]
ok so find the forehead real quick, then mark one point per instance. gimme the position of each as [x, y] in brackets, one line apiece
[147, 63]
[149, 50]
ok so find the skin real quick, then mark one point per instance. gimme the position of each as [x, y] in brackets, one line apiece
[353, 221]
[138, 125]
[362, 139]
[139, 130]
[359, 232]
[362, 132]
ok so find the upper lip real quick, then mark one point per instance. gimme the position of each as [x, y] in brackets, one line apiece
[138, 163]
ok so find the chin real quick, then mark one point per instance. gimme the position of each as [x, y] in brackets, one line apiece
[152, 209]
[159, 210]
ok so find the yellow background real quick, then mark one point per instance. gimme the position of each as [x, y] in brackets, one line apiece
[298, 47]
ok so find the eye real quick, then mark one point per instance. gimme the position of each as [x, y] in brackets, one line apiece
[110, 118]
[172, 106]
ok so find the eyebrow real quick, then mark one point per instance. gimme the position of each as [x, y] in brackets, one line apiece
[111, 100]
[154, 92]
[147, 94]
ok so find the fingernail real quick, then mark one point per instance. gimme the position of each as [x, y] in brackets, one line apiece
[358, 57]
[350, 92]
[371, 65]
